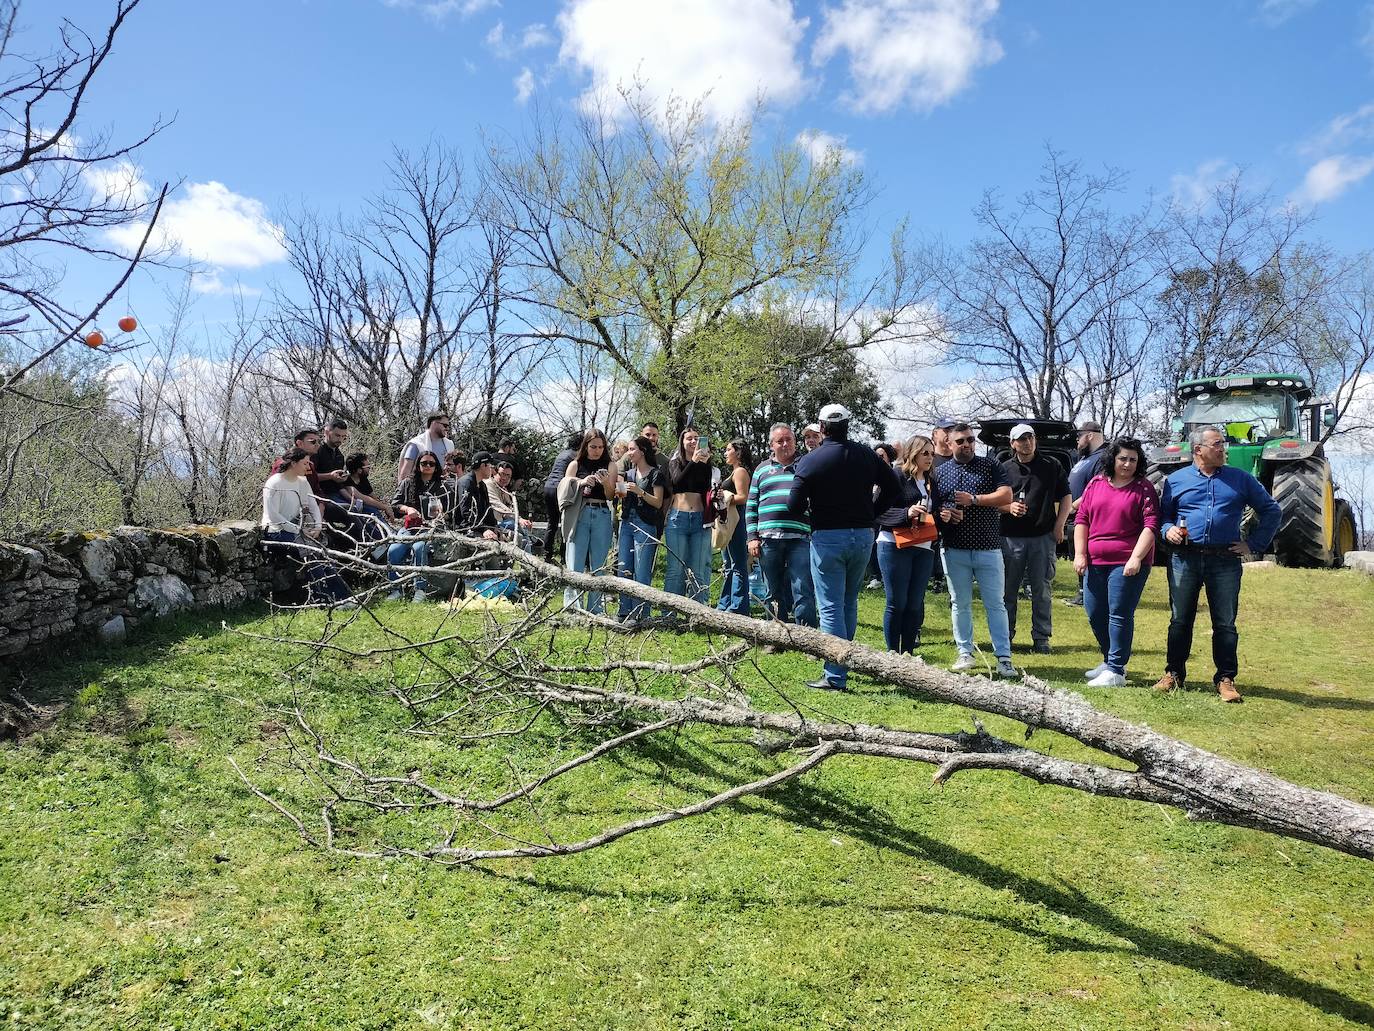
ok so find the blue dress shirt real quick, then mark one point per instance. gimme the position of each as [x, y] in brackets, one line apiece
[1214, 506]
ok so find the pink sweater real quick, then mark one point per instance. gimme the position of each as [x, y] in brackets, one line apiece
[1115, 516]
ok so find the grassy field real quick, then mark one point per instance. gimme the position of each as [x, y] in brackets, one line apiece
[142, 887]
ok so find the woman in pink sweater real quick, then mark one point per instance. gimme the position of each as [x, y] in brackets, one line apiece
[1114, 544]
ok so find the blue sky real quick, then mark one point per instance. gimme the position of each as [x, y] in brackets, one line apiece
[288, 101]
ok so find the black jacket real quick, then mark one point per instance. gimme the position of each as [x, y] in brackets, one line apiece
[908, 494]
[837, 481]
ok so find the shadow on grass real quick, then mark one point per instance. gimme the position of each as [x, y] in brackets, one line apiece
[823, 810]
[1307, 701]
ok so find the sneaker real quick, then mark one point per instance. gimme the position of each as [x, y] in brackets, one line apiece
[1168, 682]
[1226, 689]
[1041, 647]
[963, 664]
[824, 684]
[1006, 669]
[352, 603]
[1077, 599]
[1090, 673]
[1107, 678]
[873, 585]
[394, 596]
[420, 597]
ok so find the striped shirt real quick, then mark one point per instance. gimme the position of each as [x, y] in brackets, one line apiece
[766, 514]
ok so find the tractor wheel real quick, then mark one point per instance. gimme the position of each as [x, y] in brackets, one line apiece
[1301, 489]
[1345, 536]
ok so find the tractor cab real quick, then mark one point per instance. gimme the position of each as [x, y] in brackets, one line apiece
[1253, 411]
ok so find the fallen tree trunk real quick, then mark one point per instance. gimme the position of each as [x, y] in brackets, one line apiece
[511, 674]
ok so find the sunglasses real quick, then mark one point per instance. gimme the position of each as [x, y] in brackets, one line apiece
[962, 440]
[429, 465]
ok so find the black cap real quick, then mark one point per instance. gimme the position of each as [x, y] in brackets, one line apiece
[1090, 427]
[482, 458]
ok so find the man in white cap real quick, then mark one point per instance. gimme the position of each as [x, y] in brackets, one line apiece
[1032, 530]
[837, 482]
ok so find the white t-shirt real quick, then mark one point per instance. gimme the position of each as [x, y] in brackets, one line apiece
[284, 503]
[424, 442]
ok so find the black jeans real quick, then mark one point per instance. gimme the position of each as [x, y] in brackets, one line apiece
[1190, 572]
[554, 517]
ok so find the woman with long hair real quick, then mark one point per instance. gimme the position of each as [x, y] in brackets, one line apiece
[686, 537]
[1113, 544]
[906, 566]
[734, 581]
[292, 526]
[641, 500]
[421, 501]
[590, 542]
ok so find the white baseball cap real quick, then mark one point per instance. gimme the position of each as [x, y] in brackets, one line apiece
[1020, 430]
[834, 413]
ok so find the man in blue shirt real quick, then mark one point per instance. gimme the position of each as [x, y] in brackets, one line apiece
[1200, 515]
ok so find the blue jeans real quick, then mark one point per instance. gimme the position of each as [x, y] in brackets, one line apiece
[1110, 598]
[402, 553]
[839, 559]
[588, 548]
[689, 554]
[962, 567]
[638, 545]
[786, 564]
[1192, 571]
[734, 582]
[906, 571]
[322, 580]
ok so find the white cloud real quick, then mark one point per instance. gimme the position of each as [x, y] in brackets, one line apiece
[524, 85]
[733, 50]
[916, 53]
[1194, 189]
[531, 37]
[1275, 12]
[212, 224]
[823, 146]
[441, 10]
[1332, 176]
[1343, 131]
[120, 184]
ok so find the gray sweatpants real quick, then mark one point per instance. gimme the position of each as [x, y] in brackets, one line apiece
[1030, 558]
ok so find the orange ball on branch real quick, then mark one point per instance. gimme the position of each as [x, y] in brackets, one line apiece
[128, 323]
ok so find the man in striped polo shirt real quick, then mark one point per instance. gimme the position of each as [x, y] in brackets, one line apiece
[778, 537]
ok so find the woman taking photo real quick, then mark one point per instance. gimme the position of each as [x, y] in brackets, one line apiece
[639, 508]
[686, 537]
[420, 501]
[291, 527]
[590, 540]
[906, 555]
[1113, 543]
[734, 584]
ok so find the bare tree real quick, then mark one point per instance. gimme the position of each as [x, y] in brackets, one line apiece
[1235, 280]
[61, 193]
[1041, 304]
[386, 299]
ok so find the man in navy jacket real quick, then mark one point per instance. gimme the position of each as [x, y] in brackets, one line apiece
[837, 481]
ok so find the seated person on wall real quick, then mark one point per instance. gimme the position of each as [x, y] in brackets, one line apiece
[504, 508]
[422, 501]
[292, 528]
[363, 500]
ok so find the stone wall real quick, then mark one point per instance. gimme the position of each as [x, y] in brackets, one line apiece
[102, 584]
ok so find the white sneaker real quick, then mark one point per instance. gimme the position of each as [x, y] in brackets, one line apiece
[873, 585]
[1107, 678]
[420, 596]
[963, 664]
[1006, 669]
[1089, 674]
[394, 596]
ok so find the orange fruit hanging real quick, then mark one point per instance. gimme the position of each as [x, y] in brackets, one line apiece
[128, 323]
[95, 338]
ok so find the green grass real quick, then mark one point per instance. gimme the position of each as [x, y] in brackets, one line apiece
[141, 887]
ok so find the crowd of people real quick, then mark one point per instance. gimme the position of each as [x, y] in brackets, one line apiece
[801, 531]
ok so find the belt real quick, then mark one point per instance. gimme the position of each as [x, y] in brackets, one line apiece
[1208, 549]
[589, 501]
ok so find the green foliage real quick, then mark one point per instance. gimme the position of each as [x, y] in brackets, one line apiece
[145, 888]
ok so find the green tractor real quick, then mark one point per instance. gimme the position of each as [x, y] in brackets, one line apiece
[1273, 431]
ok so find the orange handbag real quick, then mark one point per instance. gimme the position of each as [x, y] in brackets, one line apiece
[914, 536]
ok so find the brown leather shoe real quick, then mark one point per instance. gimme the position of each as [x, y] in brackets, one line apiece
[1168, 682]
[1226, 688]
